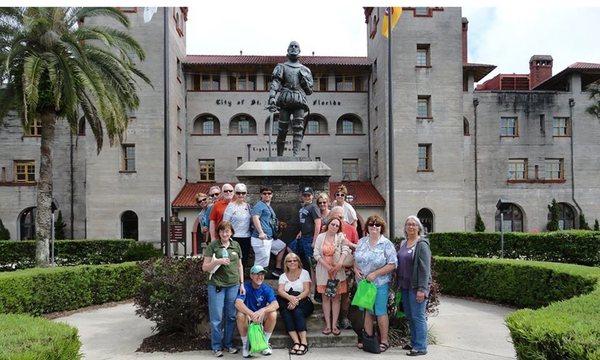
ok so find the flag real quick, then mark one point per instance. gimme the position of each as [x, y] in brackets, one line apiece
[396, 12]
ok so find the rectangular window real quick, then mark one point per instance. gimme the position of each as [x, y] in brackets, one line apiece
[344, 83]
[424, 158]
[243, 126]
[24, 171]
[347, 127]
[207, 169]
[509, 127]
[561, 126]
[517, 169]
[423, 58]
[321, 83]
[312, 127]
[424, 106]
[128, 154]
[35, 129]
[349, 169]
[208, 127]
[554, 169]
[242, 82]
[179, 164]
[209, 82]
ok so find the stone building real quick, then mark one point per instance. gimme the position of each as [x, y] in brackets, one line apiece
[459, 148]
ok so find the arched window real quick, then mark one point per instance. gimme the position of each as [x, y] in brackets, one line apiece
[27, 224]
[567, 216]
[207, 124]
[316, 124]
[513, 218]
[275, 124]
[426, 217]
[465, 126]
[349, 124]
[129, 225]
[242, 124]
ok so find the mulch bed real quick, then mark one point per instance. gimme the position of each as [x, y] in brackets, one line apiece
[173, 342]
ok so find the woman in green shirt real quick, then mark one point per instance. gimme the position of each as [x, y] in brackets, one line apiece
[223, 260]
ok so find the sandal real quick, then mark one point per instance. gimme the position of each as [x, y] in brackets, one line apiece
[294, 350]
[384, 346]
[326, 331]
[336, 333]
[359, 345]
[303, 349]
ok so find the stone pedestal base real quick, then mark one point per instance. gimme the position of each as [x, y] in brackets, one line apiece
[287, 178]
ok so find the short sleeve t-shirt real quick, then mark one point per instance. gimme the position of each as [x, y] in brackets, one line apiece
[226, 275]
[297, 285]
[308, 214]
[349, 213]
[266, 215]
[256, 299]
[218, 209]
[239, 216]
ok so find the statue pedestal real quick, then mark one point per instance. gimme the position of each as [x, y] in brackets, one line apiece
[287, 178]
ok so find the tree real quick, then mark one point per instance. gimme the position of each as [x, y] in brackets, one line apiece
[596, 225]
[59, 227]
[582, 223]
[479, 225]
[56, 68]
[594, 91]
[5, 234]
[554, 216]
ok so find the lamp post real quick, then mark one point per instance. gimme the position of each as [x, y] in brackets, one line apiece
[502, 205]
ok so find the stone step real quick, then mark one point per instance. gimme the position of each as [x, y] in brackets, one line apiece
[315, 340]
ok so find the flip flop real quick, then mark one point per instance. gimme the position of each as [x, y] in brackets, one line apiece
[326, 331]
[336, 333]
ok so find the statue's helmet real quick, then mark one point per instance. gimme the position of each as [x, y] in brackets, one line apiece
[293, 50]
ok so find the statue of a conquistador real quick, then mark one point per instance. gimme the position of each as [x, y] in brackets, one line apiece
[290, 85]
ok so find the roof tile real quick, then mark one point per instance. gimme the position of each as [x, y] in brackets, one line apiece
[271, 59]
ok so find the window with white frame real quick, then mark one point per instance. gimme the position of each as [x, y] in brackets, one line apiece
[509, 126]
[554, 169]
[517, 169]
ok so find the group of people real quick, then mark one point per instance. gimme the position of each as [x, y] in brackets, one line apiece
[322, 263]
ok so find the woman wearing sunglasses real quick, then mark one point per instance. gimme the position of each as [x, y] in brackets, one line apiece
[238, 213]
[375, 259]
[323, 205]
[294, 303]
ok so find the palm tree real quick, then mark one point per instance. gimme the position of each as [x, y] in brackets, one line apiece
[54, 66]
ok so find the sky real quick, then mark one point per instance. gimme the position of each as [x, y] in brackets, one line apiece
[502, 35]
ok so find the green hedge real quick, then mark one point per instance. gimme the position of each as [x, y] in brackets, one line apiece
[574, 247]
[45, 290]
[566, 324]
[23, 337]
[21, 254]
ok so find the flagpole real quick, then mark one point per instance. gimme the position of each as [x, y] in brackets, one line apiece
[390, 131]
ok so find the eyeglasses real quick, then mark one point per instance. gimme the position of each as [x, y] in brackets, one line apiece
[374, 225]
[267, 193]
[340, 194]
[228, 191]
[334, 224]
[215, 194]
[322, 203]
[201, 200]
[291, 261]
[240, 193]
[412, 225]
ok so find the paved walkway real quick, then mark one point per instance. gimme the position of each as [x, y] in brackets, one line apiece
[465, 330]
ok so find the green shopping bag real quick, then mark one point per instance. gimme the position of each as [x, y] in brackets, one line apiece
[365, 295]
[256, 337]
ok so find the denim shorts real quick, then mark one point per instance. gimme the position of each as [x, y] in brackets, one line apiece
[381, 300]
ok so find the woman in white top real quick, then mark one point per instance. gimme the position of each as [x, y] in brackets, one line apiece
[294, 303]
[238, 214]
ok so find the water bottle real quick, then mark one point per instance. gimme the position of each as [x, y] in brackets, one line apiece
[224, 253]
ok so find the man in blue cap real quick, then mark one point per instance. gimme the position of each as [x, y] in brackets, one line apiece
[258, 305]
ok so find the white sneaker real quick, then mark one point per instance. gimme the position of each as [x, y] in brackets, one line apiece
[217, 353]
[246, 352]
[266, 352]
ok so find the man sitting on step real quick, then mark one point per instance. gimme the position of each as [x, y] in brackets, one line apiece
[258, 305]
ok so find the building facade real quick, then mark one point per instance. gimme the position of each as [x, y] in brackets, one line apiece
[458, 149]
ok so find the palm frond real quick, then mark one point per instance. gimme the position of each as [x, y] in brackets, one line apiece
[109, 12]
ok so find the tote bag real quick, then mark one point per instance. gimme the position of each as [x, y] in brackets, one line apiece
[365, 295]
[257, 339]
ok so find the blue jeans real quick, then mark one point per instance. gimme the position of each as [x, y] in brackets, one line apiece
[415, 314]
[221, 310]
[303, 248]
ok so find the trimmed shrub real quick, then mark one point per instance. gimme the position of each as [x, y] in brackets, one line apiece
[574, 246]
[59, 227]
[479, 225]
[174, 294]
[5, 234]
[25, 337]
[568, 327]
[21, 254]
[583, 225]
[554, 215]
[45, 290]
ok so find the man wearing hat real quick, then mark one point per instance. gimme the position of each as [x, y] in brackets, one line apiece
[258, 305]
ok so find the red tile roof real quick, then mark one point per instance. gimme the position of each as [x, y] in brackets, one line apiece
[584, 65]
[365, 194]
[479, 70]
[555, 81]
[272, 60]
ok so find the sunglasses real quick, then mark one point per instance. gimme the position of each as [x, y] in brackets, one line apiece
[267, 193]
[322, 203]
[291, 261]
[340, 194]
[374, 225]
[215, 194]
[240, 193]
[202, 200]
[228, 191]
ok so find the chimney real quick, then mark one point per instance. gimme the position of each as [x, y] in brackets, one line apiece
[465, 29]
[540, 69]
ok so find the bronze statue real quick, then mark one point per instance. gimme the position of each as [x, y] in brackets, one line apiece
[291, 83]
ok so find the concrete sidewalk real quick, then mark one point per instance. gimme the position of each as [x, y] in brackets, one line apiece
[465, 330]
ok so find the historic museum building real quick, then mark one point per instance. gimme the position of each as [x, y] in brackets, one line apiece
[460, 146]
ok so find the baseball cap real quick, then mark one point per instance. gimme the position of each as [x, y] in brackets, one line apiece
[257, 269]
[307, 190]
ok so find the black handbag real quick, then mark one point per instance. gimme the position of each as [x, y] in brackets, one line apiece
[371, 343]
